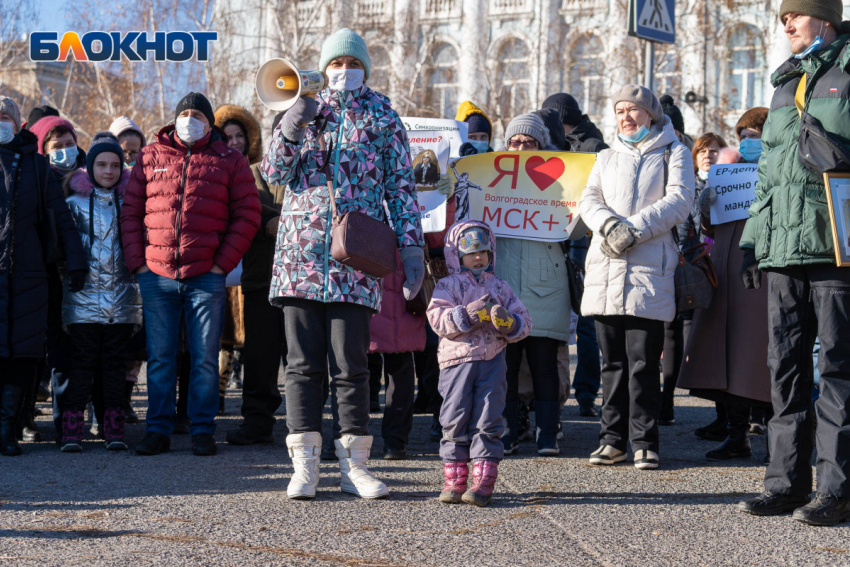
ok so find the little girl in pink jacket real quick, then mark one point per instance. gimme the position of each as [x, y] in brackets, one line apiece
[476, 314]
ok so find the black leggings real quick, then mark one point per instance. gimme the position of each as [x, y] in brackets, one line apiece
[542, 356]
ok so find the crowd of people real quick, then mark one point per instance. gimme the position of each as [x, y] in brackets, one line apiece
[118, 255]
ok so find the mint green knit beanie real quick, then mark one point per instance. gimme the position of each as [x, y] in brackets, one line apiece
[346, 42]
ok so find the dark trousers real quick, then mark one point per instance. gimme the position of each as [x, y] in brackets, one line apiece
[675, 338]
[324, 337]
[631, 348]
[589, 368]
[805, 302]
[398, 410]
[100, 348]
[542, 356]
[265, 344]
[428, 369]
[17, 372]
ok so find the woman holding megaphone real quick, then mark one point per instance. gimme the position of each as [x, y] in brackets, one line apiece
[348, 145]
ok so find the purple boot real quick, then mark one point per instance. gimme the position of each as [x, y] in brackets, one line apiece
[456, 476]
[113, 429]
[73, 424]
[484, 474]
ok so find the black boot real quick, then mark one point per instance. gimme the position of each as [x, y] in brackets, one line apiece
[436, 428]
[547, 416]
[130, 416]
[716, 430]
[510, 437]
[27, 430]
[737, 444]
[10, 404]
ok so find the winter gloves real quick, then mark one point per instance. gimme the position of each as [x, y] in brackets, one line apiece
[619, 237]
[750, 273]
[504, 322]
[477, 311]
[445, 186]
[77, 280]
[707, 197]
[413, 258]
[294, 122]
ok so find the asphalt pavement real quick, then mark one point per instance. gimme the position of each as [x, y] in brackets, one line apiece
[99, 508]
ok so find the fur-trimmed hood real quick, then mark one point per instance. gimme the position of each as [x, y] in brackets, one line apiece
[228, 112]
[79, 182]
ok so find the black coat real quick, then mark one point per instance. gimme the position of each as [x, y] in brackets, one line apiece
[586, 137]
[23, 277]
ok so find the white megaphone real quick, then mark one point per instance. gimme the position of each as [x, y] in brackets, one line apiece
[280, 83]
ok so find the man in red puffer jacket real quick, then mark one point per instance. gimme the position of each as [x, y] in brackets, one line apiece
[190, 213]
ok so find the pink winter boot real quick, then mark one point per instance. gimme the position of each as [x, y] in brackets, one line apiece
[72, 431]
[456, 476]
[484, 474]
[114, 419]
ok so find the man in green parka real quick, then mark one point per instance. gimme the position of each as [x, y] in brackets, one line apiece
[788, 236]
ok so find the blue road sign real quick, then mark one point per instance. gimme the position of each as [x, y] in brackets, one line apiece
[654, 20]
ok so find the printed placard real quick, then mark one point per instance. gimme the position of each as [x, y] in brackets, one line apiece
[735, 185]
[528, 195]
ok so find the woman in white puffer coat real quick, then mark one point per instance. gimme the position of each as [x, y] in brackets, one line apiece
[629, 287]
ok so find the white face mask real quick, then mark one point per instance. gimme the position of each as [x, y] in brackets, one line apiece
[345, 79]
[7, 132]
[189, 129]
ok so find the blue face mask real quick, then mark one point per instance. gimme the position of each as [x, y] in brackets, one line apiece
[66, 158]
[639, 135]
[480, 146]
[816, 44]
[751, 149]
[7, 132]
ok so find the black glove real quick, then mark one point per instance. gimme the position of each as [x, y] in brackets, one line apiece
[77, 280]
[750, 273]
[296, 118]
[467, 149]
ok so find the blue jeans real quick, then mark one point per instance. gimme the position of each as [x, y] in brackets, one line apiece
[201, 300]
[588, 368]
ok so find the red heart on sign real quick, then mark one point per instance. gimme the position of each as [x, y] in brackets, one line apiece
[544, 173]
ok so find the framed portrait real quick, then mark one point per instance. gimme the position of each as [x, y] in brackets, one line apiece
[838, 199]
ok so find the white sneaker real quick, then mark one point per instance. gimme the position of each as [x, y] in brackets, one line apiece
[353, 452]
[304, 449]
[646, 460]
[607, 455]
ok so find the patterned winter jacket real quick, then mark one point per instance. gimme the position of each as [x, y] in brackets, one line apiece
[459, 342]
[370, 164]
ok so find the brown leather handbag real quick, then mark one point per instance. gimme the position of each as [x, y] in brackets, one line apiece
[362, 242]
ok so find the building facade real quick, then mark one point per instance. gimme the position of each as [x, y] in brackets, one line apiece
[507, 56]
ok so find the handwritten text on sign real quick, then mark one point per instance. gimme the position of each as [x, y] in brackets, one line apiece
[528, 195]
[735, 185]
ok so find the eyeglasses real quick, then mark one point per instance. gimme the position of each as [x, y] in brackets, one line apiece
[130, 156]
[530, 144]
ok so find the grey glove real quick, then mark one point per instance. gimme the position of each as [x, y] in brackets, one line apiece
[707, 197]
[445, 186]
[295, 120]
[413, 258]
[621, 236]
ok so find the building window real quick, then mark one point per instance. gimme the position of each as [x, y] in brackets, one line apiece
[745, 68]
[512, 84]
[379, 78]
[439, 75]
[586, 74]
[668, 74]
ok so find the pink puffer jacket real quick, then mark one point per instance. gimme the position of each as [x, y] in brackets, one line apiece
[459, 342]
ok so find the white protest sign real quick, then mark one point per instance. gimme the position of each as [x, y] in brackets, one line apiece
[430, 159]
[735, 185]
[454, 130]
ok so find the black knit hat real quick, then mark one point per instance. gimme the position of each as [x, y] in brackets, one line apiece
[668, 105]
[478, 124]
[196, 101]
[566, 106]
[102, 142]
[40, 112]
[552, 120]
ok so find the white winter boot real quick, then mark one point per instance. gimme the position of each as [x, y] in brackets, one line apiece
[353, 452]
[304, 449]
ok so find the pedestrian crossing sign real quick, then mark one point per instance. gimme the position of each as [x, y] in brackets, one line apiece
[653, 20]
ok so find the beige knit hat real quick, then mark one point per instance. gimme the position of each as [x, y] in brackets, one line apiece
[827, 10]
[642, 97]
